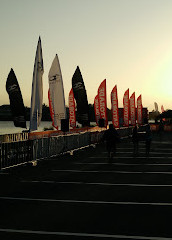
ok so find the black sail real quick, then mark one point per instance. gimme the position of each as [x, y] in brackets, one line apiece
[16, 100]
[81, 98]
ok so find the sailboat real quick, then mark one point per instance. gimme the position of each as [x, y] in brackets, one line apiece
[56, 94]
[16, 100]
[81, 98]
[37, 90]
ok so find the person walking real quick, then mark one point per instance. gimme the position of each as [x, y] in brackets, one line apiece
[148, 139]
[111, 137]
[135, 140]
[161, 129]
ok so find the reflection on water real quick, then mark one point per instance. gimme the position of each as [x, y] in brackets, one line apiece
[7, 127]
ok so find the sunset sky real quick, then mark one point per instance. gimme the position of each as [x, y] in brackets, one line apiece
[126, 42]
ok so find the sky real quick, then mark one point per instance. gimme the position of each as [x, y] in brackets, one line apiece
[126, 42]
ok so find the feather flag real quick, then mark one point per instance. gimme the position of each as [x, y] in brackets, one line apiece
[139, 110]
[16, 100]
[133, 109]
[96, 109]
[51, 109]
[126, 105]
[72, 114]
[56, 92]
[114, 108]
[162, 108]
[37, 90]
[102, 101]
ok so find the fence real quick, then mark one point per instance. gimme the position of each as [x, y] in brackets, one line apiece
[49, 147]
[15, 153]
[14, 137]
[167, 128]
[20, 152]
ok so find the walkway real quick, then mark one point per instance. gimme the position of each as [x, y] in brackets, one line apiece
[83, 197]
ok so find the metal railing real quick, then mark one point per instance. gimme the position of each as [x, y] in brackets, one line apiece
[21, 152]
[15, 153]
[13, 137]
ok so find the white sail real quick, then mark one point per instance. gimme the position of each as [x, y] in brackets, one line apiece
[37, 90]
[156, 107]
[57, 92]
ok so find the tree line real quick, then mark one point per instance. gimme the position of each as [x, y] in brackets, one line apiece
[6, 115]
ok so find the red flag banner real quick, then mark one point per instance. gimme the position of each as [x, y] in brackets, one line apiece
[133, 109]
[72, 114]
[51, 109]
[139, 110]
[114, 108]
[102, 101]
[126, 105]
[162, 108]
[96, 109]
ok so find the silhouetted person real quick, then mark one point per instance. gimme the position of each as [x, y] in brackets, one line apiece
[111, 137]
[135, 140]
[148, 139]
[161, 129]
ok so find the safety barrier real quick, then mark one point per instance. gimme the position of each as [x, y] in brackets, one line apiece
[125, 132]
[96, 137]
[20, 152]
[14, 137]
[53, 146]
[15, 153]
[167, 127]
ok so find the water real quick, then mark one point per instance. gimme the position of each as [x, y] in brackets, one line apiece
[7, 127]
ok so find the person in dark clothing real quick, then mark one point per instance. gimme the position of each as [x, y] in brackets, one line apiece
[135, 141]
[161, 129]
[111, 137]
[148, 138]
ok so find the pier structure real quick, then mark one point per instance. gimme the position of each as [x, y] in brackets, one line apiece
[82, 196]
[19, 149]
